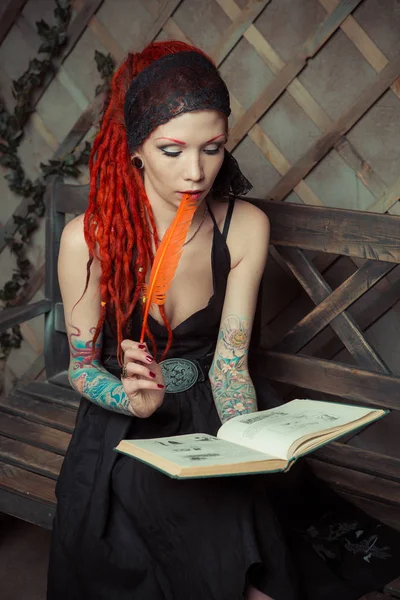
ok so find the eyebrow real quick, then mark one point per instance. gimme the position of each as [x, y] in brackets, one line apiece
[184, 143]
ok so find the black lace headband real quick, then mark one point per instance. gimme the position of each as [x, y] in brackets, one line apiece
[170, 86]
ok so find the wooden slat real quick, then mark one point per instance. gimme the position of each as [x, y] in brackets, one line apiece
[380, 511]
[61, 380]
[9, 14]
[37, 411]
[322, 146]
[34, 434]
[46, 392]
[168, 7]
[19, 314]
[393, 588]
[274, 89]
[59, 320]
[232, 35]
[343, 325]
[388, 198]
[334, 304]
[364, 387]
[333, 230]
[71, 199]
[28, 509]
[361, 167]
[24, 483]
[361, 484]
[56, 350]
[361, 460]
[28, 457]
[365, 318]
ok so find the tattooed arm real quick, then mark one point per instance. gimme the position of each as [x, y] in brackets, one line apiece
[231, 384]
[86, 375]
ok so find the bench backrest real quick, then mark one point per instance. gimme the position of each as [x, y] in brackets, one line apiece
[373, 242]
[61, 199]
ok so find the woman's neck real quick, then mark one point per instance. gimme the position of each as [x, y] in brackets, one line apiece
[164, 214]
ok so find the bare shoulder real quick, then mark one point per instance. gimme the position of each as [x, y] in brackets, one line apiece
[73, 235]
[74, 252]
[73, 239]
[249, 218]
[248, 233]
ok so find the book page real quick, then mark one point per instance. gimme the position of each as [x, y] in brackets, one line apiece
[197, 449]
[275, 430]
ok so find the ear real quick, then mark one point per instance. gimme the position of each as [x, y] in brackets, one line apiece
[137, 161]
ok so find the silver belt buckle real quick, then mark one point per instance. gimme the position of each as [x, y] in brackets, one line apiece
[179, 374]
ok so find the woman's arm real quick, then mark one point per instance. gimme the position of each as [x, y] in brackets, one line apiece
[231, 384]
[86, 374]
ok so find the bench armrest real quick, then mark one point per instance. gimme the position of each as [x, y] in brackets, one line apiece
[19, 314]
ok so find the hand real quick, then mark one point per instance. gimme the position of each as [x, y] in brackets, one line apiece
[144, 385]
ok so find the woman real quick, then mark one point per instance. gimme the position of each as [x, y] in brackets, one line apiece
[124, 530]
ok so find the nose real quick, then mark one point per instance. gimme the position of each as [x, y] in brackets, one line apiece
[194, 169]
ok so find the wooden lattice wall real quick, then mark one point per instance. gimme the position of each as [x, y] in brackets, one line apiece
[315, 94]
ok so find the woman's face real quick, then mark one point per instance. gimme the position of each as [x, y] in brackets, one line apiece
[184, 155]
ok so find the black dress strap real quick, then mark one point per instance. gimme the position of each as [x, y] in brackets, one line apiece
[228, 218]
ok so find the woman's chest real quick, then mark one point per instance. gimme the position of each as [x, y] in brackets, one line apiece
[192, 286]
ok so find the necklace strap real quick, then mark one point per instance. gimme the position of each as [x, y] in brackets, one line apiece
[199, 227]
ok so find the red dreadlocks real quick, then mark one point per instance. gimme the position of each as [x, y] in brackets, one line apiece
[116, 221]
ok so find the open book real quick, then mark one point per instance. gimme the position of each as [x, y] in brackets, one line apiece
[265, 441]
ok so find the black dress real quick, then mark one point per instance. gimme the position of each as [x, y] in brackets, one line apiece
[126, 531]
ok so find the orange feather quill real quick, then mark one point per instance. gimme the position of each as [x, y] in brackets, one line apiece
[167, 257]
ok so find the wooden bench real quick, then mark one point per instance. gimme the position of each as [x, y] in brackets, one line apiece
[37, 419]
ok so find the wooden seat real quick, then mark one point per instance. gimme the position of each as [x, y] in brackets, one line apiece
[37, 419]
[36, 423]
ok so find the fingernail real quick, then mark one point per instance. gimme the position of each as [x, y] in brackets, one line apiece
[153, 375]
[149, 358]
[159, 385]
[142, 346]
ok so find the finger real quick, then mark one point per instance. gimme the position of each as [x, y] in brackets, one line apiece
[137, 385]
[138, 354]
[128, 344]
[135, 369]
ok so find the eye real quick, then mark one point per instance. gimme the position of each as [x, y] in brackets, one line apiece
[212, 151]
[171, 154]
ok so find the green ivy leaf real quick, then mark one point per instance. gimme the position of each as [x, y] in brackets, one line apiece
[9, 160]
[71, 171]
[42, 27]
[10, 290]
[18, 220]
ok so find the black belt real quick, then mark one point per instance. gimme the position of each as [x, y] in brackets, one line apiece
[180, 374]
